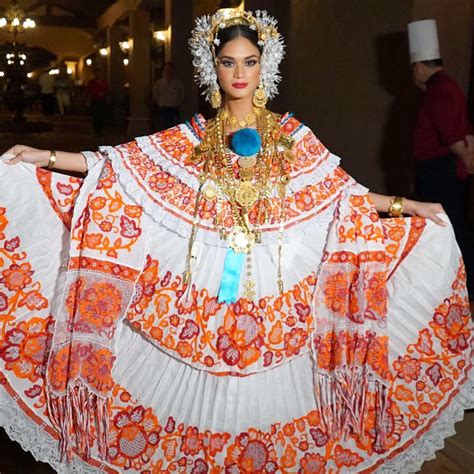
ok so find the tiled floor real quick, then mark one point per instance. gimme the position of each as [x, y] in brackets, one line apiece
[75, 134]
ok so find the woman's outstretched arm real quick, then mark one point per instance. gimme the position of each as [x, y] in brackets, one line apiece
[65, 161]
[429, 210]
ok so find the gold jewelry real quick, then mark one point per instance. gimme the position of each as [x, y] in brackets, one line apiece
[248, 121]
[216, 99]
[246, 195]
[246, 191]
[260, 98]
[241, 240]
[396, 207]
[52, 159]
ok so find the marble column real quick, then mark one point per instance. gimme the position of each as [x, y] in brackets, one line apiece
[139, 120]
[115, 74]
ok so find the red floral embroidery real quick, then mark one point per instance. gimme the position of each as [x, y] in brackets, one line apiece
[17, 277]
[407, 368]
[134, 436]
[25, 348]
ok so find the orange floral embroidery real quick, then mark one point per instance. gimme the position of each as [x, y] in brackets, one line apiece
[17, 277]
[294, 341]
[407, 368]
[24, 348]
[134, 436]
[312, 464]
[249, 334]
[110, 224]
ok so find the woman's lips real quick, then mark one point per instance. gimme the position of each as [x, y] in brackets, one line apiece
[240, 85]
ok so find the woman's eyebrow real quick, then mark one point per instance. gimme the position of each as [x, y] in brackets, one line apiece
[246, 58]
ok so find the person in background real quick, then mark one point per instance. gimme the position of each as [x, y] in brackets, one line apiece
[97, 90]
[168, 94]
[443, 144]
[63, 86]
[46, 82]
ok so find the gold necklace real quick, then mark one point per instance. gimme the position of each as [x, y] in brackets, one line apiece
[253, 185]
[232, 121]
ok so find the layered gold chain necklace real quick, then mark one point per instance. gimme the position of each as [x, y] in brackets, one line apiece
[246, 188]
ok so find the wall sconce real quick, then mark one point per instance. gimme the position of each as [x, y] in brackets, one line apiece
[2, 74]
[126, 61]
[29, 75]
[161, 35]
[104, 51]
[89, 62]
[125, 46]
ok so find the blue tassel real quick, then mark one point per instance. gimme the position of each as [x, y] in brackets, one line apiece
[246, 142]
[229, 288]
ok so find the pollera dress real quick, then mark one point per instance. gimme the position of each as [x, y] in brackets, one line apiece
[110, 363]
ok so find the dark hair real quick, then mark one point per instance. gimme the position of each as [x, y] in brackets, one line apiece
[432, 63]
[237, 31]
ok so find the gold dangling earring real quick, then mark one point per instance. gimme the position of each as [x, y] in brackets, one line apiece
[216, 99]
[260, 97]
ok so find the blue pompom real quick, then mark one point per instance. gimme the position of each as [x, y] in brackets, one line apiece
[246, 142]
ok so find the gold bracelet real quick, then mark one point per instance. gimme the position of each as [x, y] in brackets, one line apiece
[396, 207]
[52, 160]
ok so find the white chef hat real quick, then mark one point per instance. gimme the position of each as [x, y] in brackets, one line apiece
[423, 41]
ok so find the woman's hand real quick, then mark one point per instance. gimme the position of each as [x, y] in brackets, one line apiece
[428, 210]
[26, 154]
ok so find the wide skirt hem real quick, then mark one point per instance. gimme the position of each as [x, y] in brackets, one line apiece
[44, 448]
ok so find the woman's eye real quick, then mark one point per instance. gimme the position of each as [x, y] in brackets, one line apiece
[251, 63]
[227, 63]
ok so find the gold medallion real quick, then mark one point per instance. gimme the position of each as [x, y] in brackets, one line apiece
[286, 141]
[210, 193]
[246, 195]
[246, 174]
[241, 240]
[247, 161]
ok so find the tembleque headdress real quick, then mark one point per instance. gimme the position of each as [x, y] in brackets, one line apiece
[204, 39]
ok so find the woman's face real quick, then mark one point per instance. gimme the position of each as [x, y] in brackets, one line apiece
[238, 68]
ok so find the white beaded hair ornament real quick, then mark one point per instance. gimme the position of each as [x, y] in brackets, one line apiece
[204, 39]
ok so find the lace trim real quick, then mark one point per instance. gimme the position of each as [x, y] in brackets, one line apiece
[425, 448]
[32, 438]
[92, 158]
[310, 175]
[173, 222]
[176, 168]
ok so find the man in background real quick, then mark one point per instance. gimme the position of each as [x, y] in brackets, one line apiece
[168, 94]
[443, 144]
[46, 83]
[63, 86]
[97, 90]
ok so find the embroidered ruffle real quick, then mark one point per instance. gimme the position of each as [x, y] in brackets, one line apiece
[32, 438]
[319, 167]
[188, 175]
[149, 146]
[183, 228]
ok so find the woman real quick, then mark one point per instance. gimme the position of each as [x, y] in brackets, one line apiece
[221, 296]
